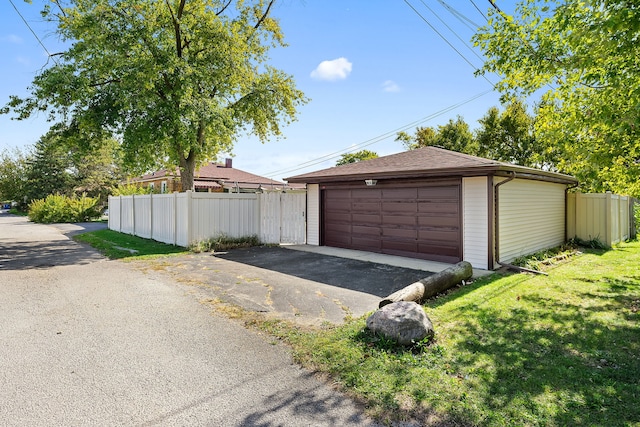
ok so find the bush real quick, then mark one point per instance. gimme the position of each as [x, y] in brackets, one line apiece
[223, 243]
[56, 208]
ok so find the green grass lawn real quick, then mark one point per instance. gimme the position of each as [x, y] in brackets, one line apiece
[516, 350]
[119, 245]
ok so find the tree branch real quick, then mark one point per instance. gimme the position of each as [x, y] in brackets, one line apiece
[264, 15]
[218, 13]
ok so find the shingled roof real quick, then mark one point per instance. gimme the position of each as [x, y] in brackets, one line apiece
[215, 175]
[427, 162]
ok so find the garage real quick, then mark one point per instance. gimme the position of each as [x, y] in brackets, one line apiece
[437, 205]
[421, 221]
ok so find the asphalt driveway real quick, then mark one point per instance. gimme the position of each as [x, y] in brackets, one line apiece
[88, 341]
[304, 287]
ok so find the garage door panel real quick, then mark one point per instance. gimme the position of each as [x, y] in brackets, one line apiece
[364, 230]
[438, 235]
[365, 219]
[400, 193]
[332, 217]
[394, 220]
[403, 206]
[439, 249]
[365, 207]
[400, 246]
[439, 221]
[365, 244]
[438, 207]
[366, 194]
[339, 227]
[439, 192]
[406, 233]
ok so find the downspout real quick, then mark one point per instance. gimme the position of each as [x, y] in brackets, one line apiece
[496, 233]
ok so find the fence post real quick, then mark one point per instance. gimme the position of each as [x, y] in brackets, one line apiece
[189, 219]
[175, 219]
[607, 219]
[151, 215]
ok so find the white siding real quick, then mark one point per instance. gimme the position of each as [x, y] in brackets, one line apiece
[475, 211]
[531, 217]
[313, 214]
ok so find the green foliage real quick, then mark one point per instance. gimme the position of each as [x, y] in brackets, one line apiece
[13, 180]
[358, 156]
[509, 136]
[176, 82]
[454, 136]
[223, 243]
[119, 245]
[130, 189]
[581, 58]
[57, 208]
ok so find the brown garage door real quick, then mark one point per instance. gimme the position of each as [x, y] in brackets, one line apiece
[421, 221]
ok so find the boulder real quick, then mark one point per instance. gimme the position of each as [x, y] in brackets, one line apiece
[404, 322]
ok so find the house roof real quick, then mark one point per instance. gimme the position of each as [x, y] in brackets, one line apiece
[215, 175]
[431, 162]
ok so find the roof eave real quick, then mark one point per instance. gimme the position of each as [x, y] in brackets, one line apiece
[490, 169]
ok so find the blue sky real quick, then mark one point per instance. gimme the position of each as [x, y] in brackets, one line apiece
[370, 68]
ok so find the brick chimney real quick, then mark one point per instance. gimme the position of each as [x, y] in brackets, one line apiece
[228, 163]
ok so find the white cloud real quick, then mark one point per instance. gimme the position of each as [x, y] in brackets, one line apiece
[337, 69]
[12, 38]
[390, 86]
[22, 60]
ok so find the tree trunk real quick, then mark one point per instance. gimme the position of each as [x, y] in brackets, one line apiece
[432, 285]
[187, 172]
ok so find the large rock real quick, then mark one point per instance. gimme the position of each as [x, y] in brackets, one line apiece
[404, 322]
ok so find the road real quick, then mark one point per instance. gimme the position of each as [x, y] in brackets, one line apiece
[88, 341]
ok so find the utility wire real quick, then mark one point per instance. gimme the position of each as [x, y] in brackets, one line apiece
[32, 32]
[453, 31]
[466, 21]
[447, 41]
[337, 154]
[478, 9]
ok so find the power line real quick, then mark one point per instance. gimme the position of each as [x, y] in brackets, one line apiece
[438, 33]
[452, 30]
[466, 21]
[337, 154]
[447, 41]
[32, 32]
[478, 9]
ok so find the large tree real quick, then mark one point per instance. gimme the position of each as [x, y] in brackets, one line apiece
[177, 81]
[355, 157]
[509, 136]
[455, 135]
[582, 58]
[13, 175]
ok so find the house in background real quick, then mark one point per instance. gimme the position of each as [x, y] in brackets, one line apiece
[438, 205]
[212, 177]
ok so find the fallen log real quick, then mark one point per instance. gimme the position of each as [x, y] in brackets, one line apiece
[432, 285]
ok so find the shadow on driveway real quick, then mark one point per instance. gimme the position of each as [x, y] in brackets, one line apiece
[372, 278]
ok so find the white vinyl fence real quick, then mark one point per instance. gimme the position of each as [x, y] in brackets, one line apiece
[606, 217]
[185, 218]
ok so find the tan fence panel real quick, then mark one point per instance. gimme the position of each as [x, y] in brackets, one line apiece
[604, 217]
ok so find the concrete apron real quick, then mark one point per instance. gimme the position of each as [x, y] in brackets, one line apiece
[396, 261]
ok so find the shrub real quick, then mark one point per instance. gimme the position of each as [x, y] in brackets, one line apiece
[131, 189]
[223, 243]
[56, 208]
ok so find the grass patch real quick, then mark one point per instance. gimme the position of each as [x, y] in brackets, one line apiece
[556, 350]
[119, 245]
[224, 243]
